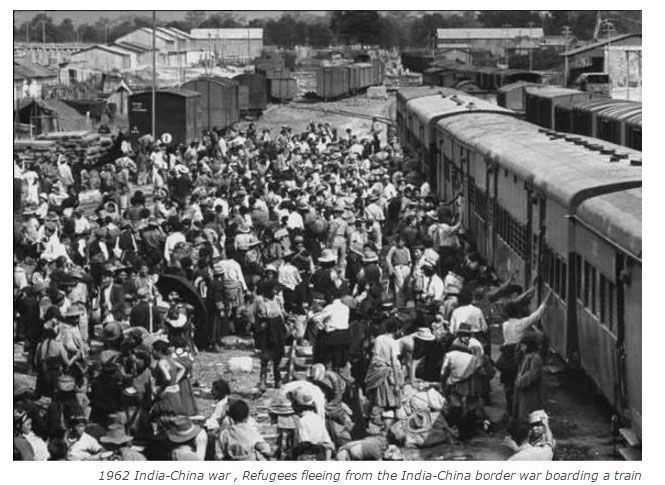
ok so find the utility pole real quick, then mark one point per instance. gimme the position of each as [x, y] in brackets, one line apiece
[627, 74]
[27, 32]
[154, 74]
[77, 33]
[566, 32]
[43, 31]
[608, 25]
[530, 47]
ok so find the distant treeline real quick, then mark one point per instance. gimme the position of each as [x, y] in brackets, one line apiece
[387, 29]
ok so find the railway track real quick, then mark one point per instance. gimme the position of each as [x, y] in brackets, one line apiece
[353, 114]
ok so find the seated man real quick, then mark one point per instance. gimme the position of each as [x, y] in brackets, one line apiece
[241, 441]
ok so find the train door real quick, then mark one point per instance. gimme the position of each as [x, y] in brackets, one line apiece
[538, 242]
[465, 177]
[490, 196]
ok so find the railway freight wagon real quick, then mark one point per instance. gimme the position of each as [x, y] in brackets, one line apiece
[218, 106]
[541, 103]
[565, 208]
[282, 90]
[615, 120]
[176, 112]
[511, 96]
[332, 82]
[252, 93]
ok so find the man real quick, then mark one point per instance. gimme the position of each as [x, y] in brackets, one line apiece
[241, 441]
[145, 313]
[398, 262]
[111, 300]
[432, 286]
[468, 313]
[337, 236]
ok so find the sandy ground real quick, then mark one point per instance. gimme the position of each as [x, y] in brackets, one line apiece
[580, 420]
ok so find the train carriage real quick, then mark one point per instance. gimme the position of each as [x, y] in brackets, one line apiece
[529, 198]
[541, 103]
[252, 93]
[218, 106]
[282, 90]
[608, 280]
[332, 82]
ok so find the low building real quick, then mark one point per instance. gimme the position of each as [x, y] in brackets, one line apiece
[494, 40]
[30, 79]
[105, 58]
[620, 57]
[229, 45]
[47, 54]
[143, 36]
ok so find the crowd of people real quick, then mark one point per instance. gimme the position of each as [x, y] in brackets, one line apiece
[345, 271]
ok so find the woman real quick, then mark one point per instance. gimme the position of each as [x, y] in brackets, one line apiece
[168, 374]
[270, 334]
[50, 357]
[184, 358]
[30, 446]
[384, 376]
[528, 394]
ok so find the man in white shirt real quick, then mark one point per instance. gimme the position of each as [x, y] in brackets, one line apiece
[171, 241]
[468, 313]
[433, 289]
[294, 220]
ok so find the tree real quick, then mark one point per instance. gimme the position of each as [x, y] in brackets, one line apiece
[508, 18]
[319, 35]
[194, 18]
[356, 26]
[66, 31]
[217, 21]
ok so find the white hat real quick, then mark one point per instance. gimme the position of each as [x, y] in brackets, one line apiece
[327, 256]
[182, 169]
[166, 138]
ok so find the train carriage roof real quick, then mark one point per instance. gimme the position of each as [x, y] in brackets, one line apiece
[567, 171]
[406, 94]
[621, 112]
[553, 92]
[618, 216]
[437, 106]
[596, 104]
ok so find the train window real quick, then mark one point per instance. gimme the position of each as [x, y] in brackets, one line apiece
[587, 283]
[594, 291]
[603, 300]
[612, 308]
[578, 276]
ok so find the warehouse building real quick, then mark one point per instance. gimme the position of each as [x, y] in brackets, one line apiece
[229, 45]
[497, 41]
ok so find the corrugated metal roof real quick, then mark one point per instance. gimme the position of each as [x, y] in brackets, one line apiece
[566, 171]
[227, 34]
[600, 43]
[134, 46]
[506, 33]
[158, 34]
[185, 93]
[180, 32]
[618, 216]
[173, 33]
[24, 69]
[117, 50]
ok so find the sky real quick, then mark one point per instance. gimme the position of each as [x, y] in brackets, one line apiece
[89, 17]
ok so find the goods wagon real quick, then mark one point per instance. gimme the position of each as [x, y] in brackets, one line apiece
[176, 112]
[332, 82]
[218, 106]
[541, 103]
[486, 78]
[269, 73]
[565, 208]
[282, 90]
[252, 93]
[511, 96]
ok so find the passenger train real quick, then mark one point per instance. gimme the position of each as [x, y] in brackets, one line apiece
[567, 208]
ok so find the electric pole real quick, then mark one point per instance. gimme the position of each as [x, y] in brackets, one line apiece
[608, 25]
[530, 47]
[154, 74]
[566, 32]
[43, 31]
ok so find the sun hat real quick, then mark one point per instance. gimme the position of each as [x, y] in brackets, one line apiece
[116, 435]
[176, 321]
[424, 333]
[280, 233]
[464, 328]
[327, 256]
[182, 429]
[302, 397]
[538, 416]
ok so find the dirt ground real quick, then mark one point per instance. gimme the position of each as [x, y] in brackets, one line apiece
[580, 422]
